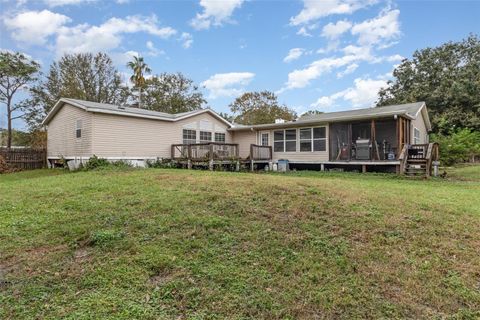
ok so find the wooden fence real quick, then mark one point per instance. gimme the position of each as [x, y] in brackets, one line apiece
[25, 158]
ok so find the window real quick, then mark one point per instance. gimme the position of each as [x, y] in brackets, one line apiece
[205, 136]
[285, 140]
[219, 137]
[189, 136]
[78, 129]
[306, 139]
[264, 139]
[291, 140]
[416, 136]
[313, 139]
[278, 141]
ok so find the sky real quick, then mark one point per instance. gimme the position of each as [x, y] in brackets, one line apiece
[326, 55]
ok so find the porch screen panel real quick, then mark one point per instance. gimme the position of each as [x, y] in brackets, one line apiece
[386, 136]
[339, 142]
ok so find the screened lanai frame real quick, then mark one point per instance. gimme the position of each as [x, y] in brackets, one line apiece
[374, 139]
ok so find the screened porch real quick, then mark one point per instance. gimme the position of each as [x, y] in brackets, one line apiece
[370, 140]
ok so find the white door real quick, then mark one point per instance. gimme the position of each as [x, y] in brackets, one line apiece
[264, 139]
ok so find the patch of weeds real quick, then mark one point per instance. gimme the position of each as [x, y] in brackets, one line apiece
[105, 238]
[393, 234]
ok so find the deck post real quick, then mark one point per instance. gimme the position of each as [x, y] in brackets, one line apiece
[364, 168]
[189, 164]
[322, 167]
[237, 166]
[210, 162]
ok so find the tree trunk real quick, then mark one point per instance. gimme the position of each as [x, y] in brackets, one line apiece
[9, 121]
[140, 97]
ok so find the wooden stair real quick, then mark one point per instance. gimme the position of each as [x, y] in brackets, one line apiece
[416, 160]
[416, 167]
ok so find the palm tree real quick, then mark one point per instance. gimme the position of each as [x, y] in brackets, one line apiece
[139, 67]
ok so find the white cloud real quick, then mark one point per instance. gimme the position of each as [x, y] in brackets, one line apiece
[334, 30]
[152, 50]
[300, 78]
[314, 9]
[107, 36]
[227, 84]
[58, 3]
[186, 39]
[121, 58]
[215, 13]
[294, 54]
[383, 27]
[349, 69]
[34, 27]
[364, 93]
[303, 32]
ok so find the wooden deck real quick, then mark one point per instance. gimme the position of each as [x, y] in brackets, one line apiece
[213, 154]
[414, 160]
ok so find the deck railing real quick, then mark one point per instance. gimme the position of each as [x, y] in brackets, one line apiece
[417, 151]
[258, 152]
[205, 151]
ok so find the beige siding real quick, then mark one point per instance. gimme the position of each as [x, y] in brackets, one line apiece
[121, 136]
[419, 123]
[61, 133]
[306, 157]
[244, 139]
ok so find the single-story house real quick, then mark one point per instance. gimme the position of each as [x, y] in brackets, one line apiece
[369, 137]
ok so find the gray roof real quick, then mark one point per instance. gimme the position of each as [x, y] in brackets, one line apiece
[112, 107]
[125, 111]
[409, 110]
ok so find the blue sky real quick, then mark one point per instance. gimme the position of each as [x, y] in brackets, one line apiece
[324, 55]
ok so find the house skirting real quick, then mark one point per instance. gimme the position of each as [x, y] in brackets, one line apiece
[74, 162]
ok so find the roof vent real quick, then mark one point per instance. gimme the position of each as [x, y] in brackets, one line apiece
[279, 121]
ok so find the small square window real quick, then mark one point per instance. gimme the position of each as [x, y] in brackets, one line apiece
[319, 145]
[189, 136]
[278, 146]
[219, 137]
[78, 129]
[205, 136]
[319, 133]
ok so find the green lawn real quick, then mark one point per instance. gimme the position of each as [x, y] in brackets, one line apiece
[163, 244]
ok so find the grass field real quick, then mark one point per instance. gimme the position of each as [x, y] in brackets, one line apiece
[157, 243]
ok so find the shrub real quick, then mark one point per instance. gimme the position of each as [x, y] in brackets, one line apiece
[458, 146]
[96, 163]
[161, 163]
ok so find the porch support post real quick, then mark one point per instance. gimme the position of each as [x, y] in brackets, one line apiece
[322, 167]
[364, 168]
[374, 150]
[237, 166]
[251, 165]
[210, 162]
